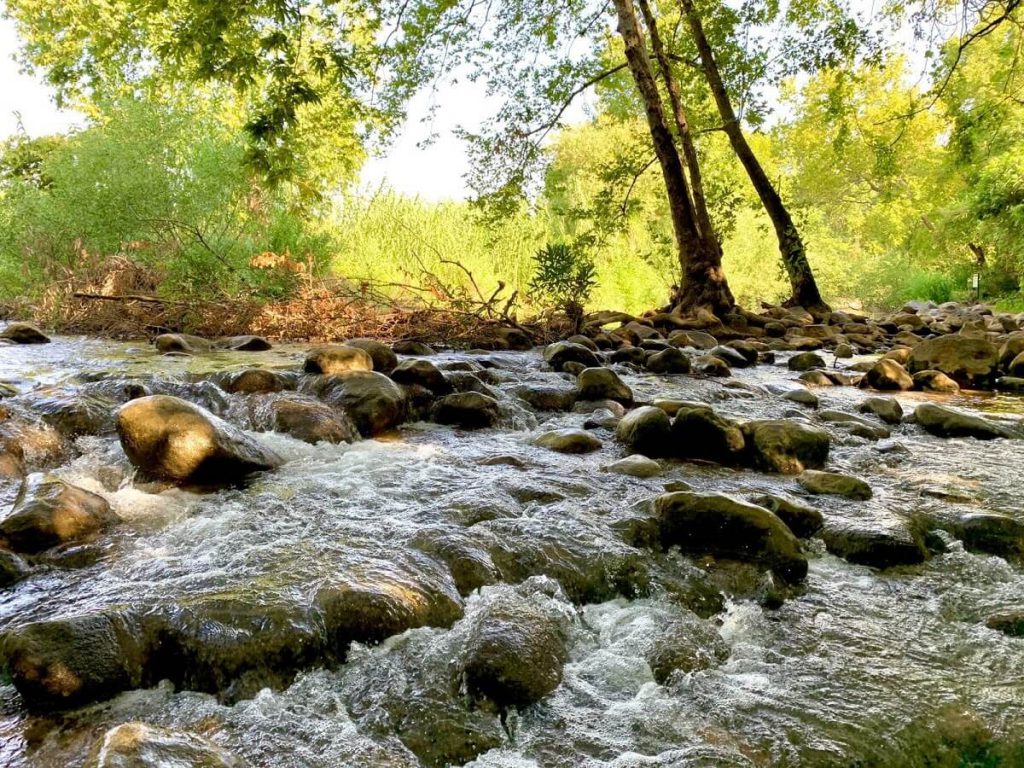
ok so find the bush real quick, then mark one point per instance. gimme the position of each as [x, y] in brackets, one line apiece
[565, 278]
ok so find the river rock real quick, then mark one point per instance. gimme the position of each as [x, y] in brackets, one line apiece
[802, 520]
[670, 360]
[630, 355]
[558, 354]
[421, 372]
[731, 357]
[306, 419]
[711, 365]
[722, 526]
[700, 433]
[1008, 622]
[515, 648]
[805, 361]
[1013, 346]
[384, 358]
[167, 343]
[855, 425]
[467, 410]
[73, 413]
[337, 358]
[888, 409]
[816, 379]
[568, 441]
[12, 569]
[834, 484]
[889, 375]
[253, 381]
[24, 333]
[1016, 366]
[634, 466]
[1011, 384]
[843, 351]
[970, 362]
[876, 543]
[49, 512]
[246, 343]
[65, 663]
[934, 381]
[408, 347]
[139, 745]
[645, 430]
[785, 446]
[373, 401]
[947, 422]
[544, 397]
[172, 439]
[602, 384]
[991, 532]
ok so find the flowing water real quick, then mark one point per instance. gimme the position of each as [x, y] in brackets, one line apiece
[858, 668]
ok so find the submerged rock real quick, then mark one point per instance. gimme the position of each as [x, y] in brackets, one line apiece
[253, 381]
[171, 439]
[304, 418]
[568, 441]
[876, 543]
[24, 333]
[139, 745]
[785, 446]
[834, 484]
[12, 569]
[726, 527]
[947, 422]
[246, 343]
[337, 358]
[49, 512]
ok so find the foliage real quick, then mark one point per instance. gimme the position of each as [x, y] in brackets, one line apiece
[565, 277]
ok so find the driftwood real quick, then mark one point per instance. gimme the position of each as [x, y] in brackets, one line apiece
[124, 297]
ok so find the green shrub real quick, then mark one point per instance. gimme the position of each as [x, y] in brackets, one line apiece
[565, 278]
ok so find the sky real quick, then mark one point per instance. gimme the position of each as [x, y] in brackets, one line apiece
[434, 172]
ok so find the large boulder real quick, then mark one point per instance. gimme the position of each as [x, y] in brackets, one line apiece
[171, 439]
[373, 401]
[468, 410]
[970, 362]
[384, 358]
[139, 745]
[722, 526]
[700, 433]
[602, 384]
[889, 375]
[645, 430]
[49, 512]
[948, 422]
[515, 647]
[785, 446]
[24, 333]
[337, 358]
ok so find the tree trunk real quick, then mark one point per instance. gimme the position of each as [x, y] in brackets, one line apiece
[791, 247]
[700, 204]
[703, 281]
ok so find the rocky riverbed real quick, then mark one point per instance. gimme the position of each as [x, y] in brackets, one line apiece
[649, 546]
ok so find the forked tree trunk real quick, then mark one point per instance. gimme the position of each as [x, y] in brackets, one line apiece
[703, 281]
[700, 203]
[791, 246]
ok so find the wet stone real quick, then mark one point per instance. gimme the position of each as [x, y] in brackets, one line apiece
[645, 430]
[49, 512]
[413, 348]
[568, 441]
[948, 422]
[601, 384]
[834, 484]
[169, 343]
[421, 372]
[785, 446]
[467, 410]
[12, 569]
[873, 542]
[700, 433]
[304, 418]
[802, 520]
[558, 354]
[934, 381]
[23, 333]
[253, 381]
[384, 358]
[139, 745]
[888, 409]
[634, 466]
[970, 362]
[373, 401]
[669, 360]
[337, 358]
[805, 361]
[889, 375]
